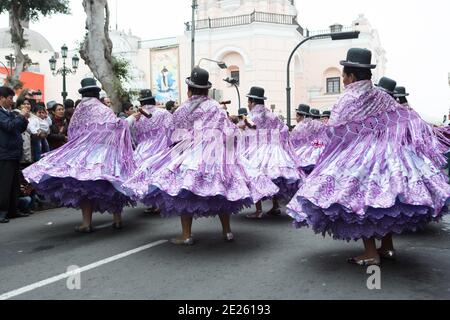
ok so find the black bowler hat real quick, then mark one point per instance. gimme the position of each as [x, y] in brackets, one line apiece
[242, 112]
[315, 113]
[387, 85]
[304, 109]
[256, 93]
[199, 79]
[326, 114]
[400, 92]
[89, 84]
[359, 58]
[145, 95]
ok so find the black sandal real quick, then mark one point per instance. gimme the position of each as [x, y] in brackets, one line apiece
[274, 212]
[117, 226]
[84, 229]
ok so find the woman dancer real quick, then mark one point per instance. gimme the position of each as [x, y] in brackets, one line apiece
[201, 174]
[308, 139]
[151, 134]
[380, 173]
[87, 172]
[271, 151]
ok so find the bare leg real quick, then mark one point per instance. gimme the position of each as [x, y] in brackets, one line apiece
[186, 225]
[225, 220]
[258, 214]
[276, 205]
[86, 209]
[226, 228]
[387, 244]
[118, 218]
[275, 211]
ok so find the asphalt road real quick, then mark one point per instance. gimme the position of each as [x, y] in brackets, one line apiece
[269, 260]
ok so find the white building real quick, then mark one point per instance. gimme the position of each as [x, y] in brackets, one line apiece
[253, 37]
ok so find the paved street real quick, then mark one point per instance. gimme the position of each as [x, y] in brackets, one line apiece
[269, 260]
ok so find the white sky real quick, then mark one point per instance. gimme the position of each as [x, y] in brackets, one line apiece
[415, 34]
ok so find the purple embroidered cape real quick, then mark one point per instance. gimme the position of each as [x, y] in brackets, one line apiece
[94, 163]
[202, 175]
[379, 174]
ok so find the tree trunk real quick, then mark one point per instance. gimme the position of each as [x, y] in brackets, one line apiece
[96, 49]
[18, 41]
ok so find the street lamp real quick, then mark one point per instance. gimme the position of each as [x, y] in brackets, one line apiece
[11, 60]
[220, 64]
[234, 82]
[64, 71]
[334, 36]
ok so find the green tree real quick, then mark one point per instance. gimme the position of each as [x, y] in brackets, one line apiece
[27, 10]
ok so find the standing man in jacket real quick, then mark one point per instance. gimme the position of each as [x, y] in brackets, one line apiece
[12, 125]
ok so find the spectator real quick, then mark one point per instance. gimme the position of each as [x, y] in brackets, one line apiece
[234, 119]
[11, 147]
[58, 130]
[170, 105]
[106, 101]
[27, 157]
[127, 110]
[69, 107]
[39, 128]
[28, 94]
[26, 198]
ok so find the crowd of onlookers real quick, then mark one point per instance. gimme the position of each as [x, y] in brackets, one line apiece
[30, 128]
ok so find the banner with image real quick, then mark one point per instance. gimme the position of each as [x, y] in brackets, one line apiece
[165, 74]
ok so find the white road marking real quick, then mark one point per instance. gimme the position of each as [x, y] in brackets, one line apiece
[104, 226]
[62, 276]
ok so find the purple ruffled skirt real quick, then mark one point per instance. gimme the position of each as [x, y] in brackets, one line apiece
[71, 193]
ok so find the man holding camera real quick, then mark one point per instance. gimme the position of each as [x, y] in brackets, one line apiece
[12, 125]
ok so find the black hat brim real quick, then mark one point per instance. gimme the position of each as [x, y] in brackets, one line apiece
[194, 85]
[385, 90]
[255, 97]
[303, 113]
[401, 95]
[145, 99]
[89, 88]
[358, 65]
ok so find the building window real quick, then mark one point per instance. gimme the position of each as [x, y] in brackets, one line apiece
[333, 85]
[235, 75]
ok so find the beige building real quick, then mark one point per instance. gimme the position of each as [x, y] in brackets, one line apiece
[253, 37]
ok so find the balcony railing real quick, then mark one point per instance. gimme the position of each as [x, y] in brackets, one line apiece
[316, 32]
[244, 20]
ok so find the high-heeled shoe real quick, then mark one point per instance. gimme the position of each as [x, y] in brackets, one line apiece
[255, 216]
[229, 237]
[117, 225]
[365, 262]
[274, 212]
[182, 242]
[388, 255]
[87, 229]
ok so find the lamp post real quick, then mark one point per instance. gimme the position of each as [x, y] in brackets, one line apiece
[64, 71]
[334, 36]
[11, 60]
[234, 83]
[220, 64]
[194, 6]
